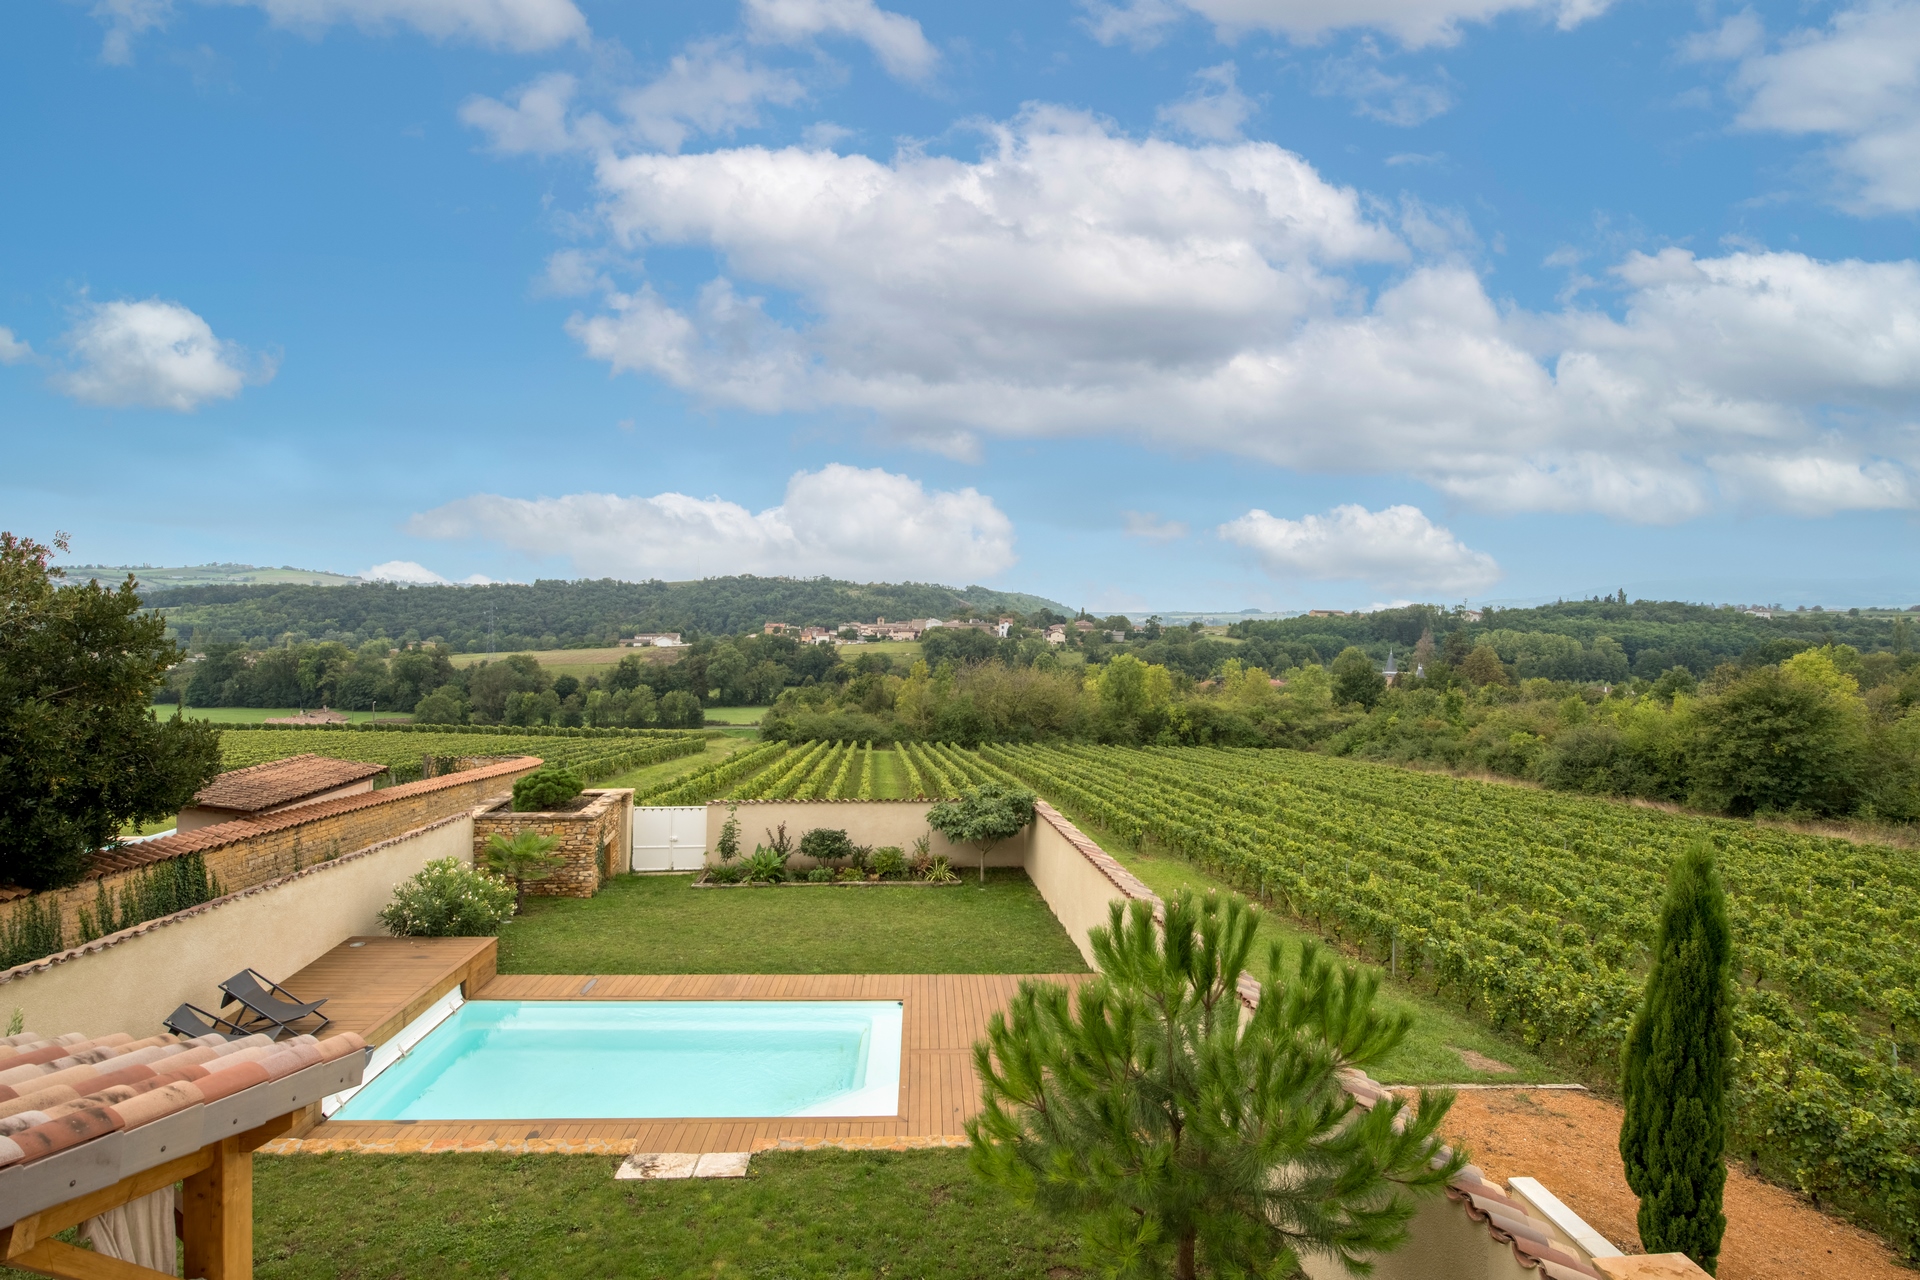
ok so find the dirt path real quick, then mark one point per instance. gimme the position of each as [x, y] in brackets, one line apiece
[1570, 1142]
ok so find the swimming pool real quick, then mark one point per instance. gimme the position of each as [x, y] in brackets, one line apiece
[640, 1059]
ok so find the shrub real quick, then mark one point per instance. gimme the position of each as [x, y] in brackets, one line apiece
[825, 846]
[820, 875]
[939, 871]
[725, 873]
[529, 856]
[764, 864]
[889, 862]
[448, 899]
[728, 846]
[545, 788]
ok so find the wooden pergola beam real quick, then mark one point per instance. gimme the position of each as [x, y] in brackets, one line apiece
[216, 1216]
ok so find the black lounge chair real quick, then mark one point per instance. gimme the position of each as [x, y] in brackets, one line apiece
[193, 1022]
[265, 1003]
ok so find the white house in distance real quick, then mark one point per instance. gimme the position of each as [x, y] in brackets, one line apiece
[654, 640]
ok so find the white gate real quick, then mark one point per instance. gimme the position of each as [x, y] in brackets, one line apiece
[669, 838]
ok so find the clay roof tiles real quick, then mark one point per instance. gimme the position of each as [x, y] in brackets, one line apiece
[278, 782]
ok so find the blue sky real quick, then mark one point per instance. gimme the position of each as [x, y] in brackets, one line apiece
[1184, 304]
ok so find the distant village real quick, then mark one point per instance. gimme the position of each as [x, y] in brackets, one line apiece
[881, 630]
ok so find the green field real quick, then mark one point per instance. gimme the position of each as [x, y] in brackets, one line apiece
[258, 715]
[736, 715]
[657, 924]
[578, 663]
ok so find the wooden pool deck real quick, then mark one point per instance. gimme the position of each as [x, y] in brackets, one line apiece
[943, 1014]
[376, 986]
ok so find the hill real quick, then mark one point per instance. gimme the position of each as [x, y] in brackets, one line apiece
[155, 578]
[1602, 639]
[554, 614]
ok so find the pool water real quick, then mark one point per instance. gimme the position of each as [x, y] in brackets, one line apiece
[639, 1059]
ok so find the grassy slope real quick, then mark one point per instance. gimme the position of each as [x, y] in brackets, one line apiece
[657, 924]
[905, 1216]
[1429, 1053]
[654, 774]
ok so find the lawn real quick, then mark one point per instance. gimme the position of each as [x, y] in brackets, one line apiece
[916, 1215]
[657, 924]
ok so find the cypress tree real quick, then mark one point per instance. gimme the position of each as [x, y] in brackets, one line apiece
[1676, 1066]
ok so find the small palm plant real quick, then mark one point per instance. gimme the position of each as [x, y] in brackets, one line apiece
[526, 858]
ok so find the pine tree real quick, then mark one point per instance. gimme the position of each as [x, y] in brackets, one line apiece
[1184, 1138]
[1676, 1067]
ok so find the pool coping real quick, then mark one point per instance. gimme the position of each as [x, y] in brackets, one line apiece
[942, 1016]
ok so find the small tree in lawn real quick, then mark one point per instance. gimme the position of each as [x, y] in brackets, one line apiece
[1182, 1135]
[526, 858]
[986, 815]
[1674, 1135]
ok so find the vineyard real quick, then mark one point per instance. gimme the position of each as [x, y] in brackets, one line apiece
[1536, 909]
[594, 757]
[1539, 910]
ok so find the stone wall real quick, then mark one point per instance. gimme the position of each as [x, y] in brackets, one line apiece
[252, 851]
[593, 840]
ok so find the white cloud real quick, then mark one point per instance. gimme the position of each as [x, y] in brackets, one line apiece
[1216, 108]
[1394, 548]
[1381, 95]
[156, 355]
[522, 26]
[840, 520]
[1856, 81]
[409, 572]
[125, 20]
[1074, 281]
[412, 573]
[895, 39]
[1149, 527]
[1414, 23]
[12, 350]
[708, 88]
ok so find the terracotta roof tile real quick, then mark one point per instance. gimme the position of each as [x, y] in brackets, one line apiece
[147, 852]
[268, 786]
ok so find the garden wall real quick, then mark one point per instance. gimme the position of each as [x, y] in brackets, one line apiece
[129, 981]
[1076, 877]
[594, 840]
[874, 822]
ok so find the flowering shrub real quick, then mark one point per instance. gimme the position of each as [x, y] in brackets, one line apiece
[447, 898]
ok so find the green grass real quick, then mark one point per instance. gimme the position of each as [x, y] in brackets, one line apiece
[736, 715]
[657, 924]
[916, 1215]
[653, 774]
[258, 715]
[1429, 1054]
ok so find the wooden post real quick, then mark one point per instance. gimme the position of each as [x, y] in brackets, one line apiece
[218, 1215]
